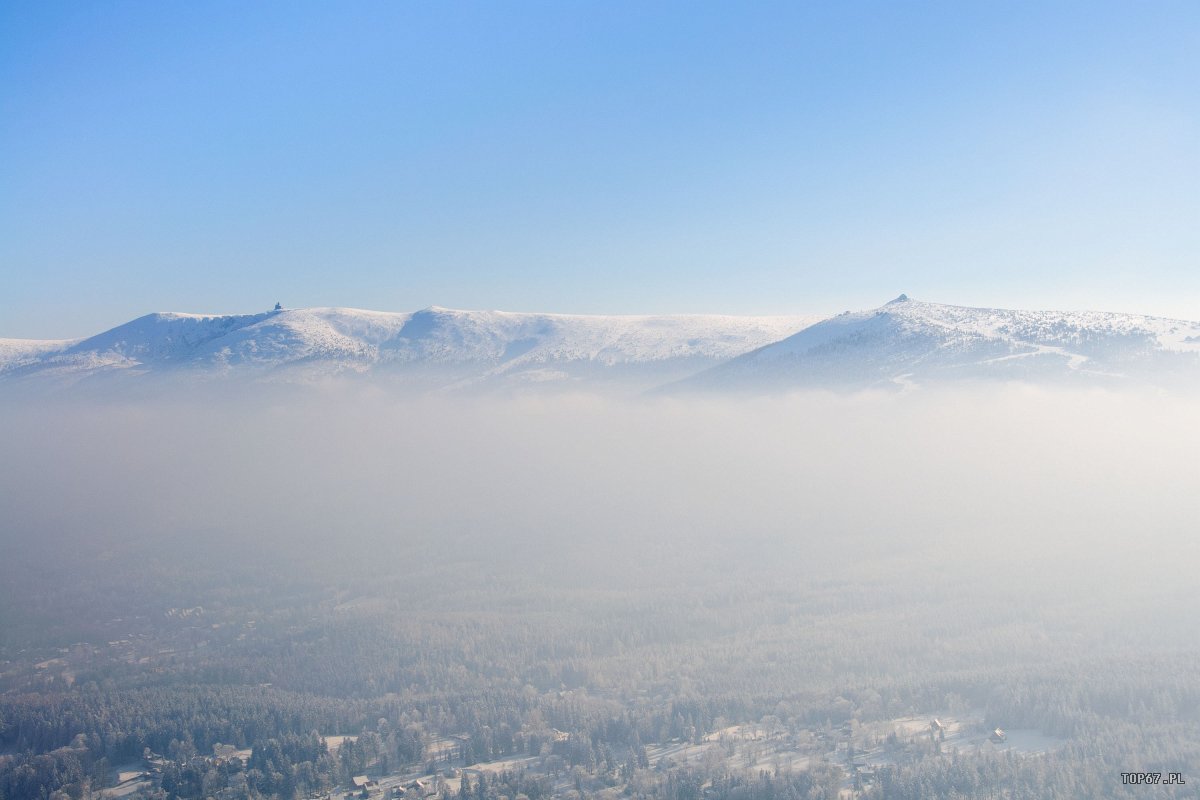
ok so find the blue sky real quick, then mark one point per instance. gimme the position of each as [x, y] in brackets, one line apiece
[595, 157]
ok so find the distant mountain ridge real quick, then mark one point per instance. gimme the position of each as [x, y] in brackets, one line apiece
[902, 343]
[434, 347]
[907, 342]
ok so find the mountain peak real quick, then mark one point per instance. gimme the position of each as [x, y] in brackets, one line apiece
[907, 342]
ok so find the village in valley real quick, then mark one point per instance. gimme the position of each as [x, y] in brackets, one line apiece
[857, 751]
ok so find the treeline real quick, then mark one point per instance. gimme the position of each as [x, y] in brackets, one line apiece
[287, 766]
[68, 740]
[178, 721]
[71, 771]
[820, 782]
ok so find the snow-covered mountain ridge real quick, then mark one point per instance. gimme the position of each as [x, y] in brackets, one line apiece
[438, 345]
[901, 343]
[907, 341]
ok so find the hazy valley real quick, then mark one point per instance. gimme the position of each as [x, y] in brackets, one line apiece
[579, 596]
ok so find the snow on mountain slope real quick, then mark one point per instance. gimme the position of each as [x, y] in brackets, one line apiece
[497, 340]
[16, 353]
[161, 338]
[441, 346]
[164, 337]
[902, 343]
[907, 341]
[509, 339]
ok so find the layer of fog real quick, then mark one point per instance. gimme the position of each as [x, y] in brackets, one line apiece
[1078, 495]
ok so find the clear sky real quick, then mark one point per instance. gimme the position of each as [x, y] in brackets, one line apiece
[616, 157]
